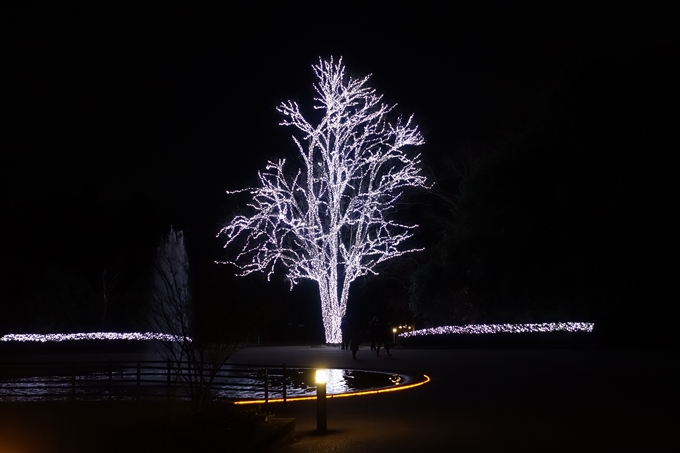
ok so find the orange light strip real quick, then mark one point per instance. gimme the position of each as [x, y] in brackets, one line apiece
[339, 395]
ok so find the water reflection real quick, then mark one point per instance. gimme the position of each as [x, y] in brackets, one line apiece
[235, 383]
[301, 382]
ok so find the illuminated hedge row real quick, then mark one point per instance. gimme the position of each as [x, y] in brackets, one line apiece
[58, 337]
[503, 328]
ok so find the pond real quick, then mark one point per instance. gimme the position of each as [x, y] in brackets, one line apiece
[125, 382]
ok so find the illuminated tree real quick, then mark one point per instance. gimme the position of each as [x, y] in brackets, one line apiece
[330, 220]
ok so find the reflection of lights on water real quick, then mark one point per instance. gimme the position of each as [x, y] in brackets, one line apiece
[503, 328]
[230, 387]
[58, 337]
[425, 380]
[91, 386]
[301, 382]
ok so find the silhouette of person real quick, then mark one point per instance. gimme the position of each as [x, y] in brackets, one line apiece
[354, 341]
[379, 336]
[344, 329]
[373, 331]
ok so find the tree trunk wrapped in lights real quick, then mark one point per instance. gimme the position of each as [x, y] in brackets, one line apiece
[329, 221]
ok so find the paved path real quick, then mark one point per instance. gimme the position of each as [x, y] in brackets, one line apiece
[493, 400]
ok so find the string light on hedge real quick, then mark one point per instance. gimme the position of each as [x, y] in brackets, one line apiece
[59, 337]
[502, 328]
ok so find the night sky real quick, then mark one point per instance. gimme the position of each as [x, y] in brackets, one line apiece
[122, 121]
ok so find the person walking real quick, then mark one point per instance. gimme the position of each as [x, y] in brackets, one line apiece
[373, 331]
[355, 339]
[379, 336]
[344, 330]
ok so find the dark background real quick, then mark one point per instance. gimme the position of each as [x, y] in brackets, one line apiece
[120, 121]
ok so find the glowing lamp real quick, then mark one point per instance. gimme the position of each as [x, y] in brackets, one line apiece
[321, 378]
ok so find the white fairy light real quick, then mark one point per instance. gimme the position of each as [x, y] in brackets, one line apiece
[329, 221]
[59, 337]
[502, 328]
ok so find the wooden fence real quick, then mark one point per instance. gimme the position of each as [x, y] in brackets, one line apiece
[121, 380]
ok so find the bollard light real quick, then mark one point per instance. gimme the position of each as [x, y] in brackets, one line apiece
[394, 335]
[321, 378]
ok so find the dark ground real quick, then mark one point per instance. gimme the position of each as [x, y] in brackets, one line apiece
[47, 427]
[533, 399]
[560, 399]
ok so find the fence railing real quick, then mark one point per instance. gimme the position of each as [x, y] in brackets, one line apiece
[123, 380]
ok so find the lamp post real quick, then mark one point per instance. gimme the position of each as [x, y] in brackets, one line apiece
[394, 335]
[321, 378]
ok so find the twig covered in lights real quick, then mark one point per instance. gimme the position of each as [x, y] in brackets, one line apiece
[330, 221]
[502, 328]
